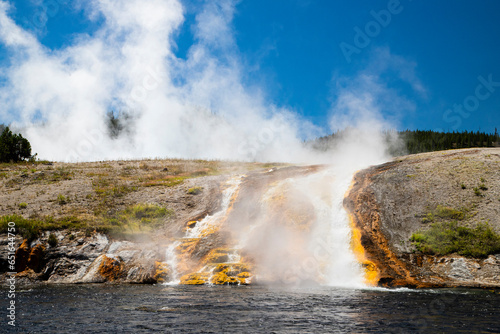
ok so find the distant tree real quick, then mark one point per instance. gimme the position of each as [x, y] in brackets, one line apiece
[118, 124]
[13, 147]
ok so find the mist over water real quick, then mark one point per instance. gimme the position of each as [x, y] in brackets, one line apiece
[302, 236]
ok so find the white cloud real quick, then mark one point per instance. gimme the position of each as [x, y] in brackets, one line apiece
[12, 35]
[370, 97]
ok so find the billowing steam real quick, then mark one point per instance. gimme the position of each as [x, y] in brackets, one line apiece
[165, 106]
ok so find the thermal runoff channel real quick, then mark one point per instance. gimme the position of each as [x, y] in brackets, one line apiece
[285, 227]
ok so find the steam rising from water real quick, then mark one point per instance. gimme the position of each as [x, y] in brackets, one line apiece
[302, 234]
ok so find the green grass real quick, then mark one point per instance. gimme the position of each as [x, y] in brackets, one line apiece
[30, 228]
[147, 211]
[61, 174]
[449, 237]
[23, 205]
[166, 182]
[105, 187]
[429, 218]
[61, 199]
[134, 220]
[448, 213]
[444, 213]
[194, 190]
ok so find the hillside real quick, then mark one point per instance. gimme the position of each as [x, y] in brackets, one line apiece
[114, 221]
[90, 196]
[396, 205]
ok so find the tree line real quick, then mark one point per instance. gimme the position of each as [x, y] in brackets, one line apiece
[427, 141]
[417, 141]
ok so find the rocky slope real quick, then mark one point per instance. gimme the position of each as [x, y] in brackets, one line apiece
[101, 236]
[389, 203]
[101, 216]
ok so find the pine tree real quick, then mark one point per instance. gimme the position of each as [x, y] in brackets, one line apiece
[13, 147]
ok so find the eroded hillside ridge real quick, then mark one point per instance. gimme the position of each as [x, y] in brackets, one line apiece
[392, 202]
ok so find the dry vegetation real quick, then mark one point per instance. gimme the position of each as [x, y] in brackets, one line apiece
[116, 197]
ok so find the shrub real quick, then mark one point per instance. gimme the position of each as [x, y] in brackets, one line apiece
[23, 205]
[463, 186]
[429, 218]
[449, 237]
[61, 199]
[478, 192]
[194, 190]
[52, 241]
[446, 212]
[148, 211]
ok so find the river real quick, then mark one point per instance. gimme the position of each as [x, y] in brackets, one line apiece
[252, 309]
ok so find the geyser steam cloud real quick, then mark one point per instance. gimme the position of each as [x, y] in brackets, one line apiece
[196, 107]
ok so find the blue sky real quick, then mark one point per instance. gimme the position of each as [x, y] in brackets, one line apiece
[295, 44]
[290, 50]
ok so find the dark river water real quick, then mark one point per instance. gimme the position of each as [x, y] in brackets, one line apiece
[255, 309]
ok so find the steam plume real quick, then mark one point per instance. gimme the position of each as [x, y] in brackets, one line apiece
[196, 107]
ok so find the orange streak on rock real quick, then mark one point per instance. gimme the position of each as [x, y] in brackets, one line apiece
[372, 274]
